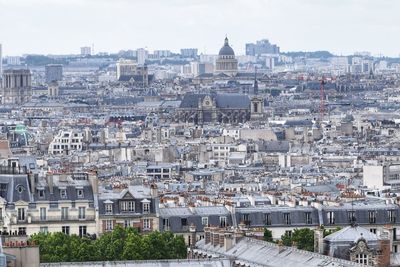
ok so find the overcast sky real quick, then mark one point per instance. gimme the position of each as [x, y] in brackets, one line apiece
[63, 26]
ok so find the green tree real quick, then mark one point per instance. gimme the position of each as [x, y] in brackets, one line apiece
[287, 239]
[304, 238]
[268, 235]
[331, 231]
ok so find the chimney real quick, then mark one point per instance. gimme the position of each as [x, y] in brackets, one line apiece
[221, 239]
[384, 246]
[281, 247]
[153, 190]
[31, 180]
[319, 240]
[230, 241]
[49, 178]
[207, 235]
[94, 182]
[192, 231]
[215, 238]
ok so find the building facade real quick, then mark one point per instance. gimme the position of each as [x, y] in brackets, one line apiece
[226, 62]
[16, 86]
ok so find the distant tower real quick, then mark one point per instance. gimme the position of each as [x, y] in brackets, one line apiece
[16, 87]
[255, 82]
[322, 99]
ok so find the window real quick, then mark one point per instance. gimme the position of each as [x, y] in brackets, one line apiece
[127, 206]
[288, 233]
[184, 221]
[109, 225]
[286, 218]
[331, 217]
[166, 224]
[373, 230]
[362, 258]
[351, 216]
[81, 213]
[42, 214]
[3, 191]
[64, 213]
[79, 193]
[127, 223]
[65, 230]
[267, 219]
[63, 193]
[82, 231]
[146, 224]
[21, 214]
[44, 229]
[308, 218]
[395, 248]
[22, 230]
[245, 218]
[146, 207]
[1, 214]
[222, 221]
[108, 208]
[41, 194]
[392, 216]
[372, 216]
[204, 221]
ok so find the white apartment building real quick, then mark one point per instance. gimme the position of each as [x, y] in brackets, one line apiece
[66, 141]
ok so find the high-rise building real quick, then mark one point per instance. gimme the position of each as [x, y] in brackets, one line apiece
[162, 53]
[54, 72]
[86, 51]
[142, 55]
[126, 68]
[261, 47]
[189, 52]
[16, 86]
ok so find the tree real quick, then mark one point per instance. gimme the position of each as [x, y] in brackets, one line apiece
[120, 244]
[304, 239]
[268, 235]
[331, 231]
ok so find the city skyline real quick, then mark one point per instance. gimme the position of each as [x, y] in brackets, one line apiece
[309, 25]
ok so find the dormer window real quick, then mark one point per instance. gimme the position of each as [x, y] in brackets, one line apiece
[41, 193]
[127, 206]
[146, 207]
[63, 193]
[79, 193]
[109, 209]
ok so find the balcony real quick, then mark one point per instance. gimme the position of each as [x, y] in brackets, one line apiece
[70, 218]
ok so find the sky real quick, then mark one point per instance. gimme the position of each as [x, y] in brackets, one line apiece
[63, 26]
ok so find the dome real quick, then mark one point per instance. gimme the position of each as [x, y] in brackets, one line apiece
[226, 50]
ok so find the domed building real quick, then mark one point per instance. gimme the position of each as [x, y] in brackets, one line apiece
[226, 62]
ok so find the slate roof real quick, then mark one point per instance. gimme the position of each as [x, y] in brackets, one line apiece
[254, 252]
[351, 234]
[233, 101]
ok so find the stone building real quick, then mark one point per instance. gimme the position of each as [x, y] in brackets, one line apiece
[217, 108]
[226, 62]
[16, 86]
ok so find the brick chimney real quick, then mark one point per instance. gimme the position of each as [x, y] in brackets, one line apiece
[207, 235]
[384, 246]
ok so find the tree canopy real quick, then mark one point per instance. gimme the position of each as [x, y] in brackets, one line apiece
[120, 244]
[304, 239]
